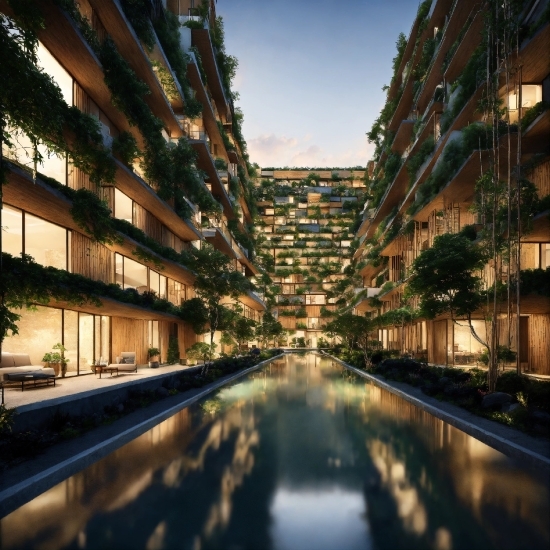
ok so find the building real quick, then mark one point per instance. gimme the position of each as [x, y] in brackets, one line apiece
[152, 76]
[306, 217]
[431, 147]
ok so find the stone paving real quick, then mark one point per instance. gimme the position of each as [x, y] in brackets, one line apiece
[74, 387]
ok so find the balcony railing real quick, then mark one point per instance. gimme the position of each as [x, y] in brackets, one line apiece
[222, 227]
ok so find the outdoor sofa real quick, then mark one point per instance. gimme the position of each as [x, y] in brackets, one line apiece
[20, 363]
[128, 362]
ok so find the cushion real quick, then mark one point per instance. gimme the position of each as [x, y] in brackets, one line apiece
[6, 360]
[21, 360]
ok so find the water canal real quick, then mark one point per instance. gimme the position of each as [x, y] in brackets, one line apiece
[299, 455]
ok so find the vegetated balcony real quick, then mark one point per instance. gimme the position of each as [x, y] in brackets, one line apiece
[129, 46]
[200, 38]
[231, 247]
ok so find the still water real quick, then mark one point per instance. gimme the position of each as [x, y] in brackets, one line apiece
[299, 455]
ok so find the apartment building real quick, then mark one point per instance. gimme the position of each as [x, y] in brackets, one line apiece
[430, 155]
[306, 217]
[150, 76]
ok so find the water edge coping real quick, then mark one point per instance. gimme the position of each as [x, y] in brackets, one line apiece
[526, 457]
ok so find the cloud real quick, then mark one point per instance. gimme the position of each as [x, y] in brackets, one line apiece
[273, 150]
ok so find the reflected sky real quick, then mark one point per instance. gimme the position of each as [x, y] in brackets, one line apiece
[301, 454]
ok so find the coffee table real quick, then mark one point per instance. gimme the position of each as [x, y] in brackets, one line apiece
[104, 368]
[34, 377]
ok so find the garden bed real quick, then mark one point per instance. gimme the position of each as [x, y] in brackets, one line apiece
[518, 402]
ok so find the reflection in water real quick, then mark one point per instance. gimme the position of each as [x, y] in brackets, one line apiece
[298, 455]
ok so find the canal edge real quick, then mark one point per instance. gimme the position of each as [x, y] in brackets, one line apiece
[525, 456]
[19, 494]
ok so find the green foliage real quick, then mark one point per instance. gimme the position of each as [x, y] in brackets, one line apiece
[167, 29]
[400, 44]
[534, 112]
[428, 49]
[215, 279]
[26, 284]
[469, 79]
[94, 216]
[535, 281]
[173, 355]
[469, 231]
[418, 159]
[7, 418]
[269, 329]
[33, 102]
[451, 160]
[195, 313]
[125, 148]
[240, 329]
[152, 352]
[443, 277]
[201, 350]
[137, 12]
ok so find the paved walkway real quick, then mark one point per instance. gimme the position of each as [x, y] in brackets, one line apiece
[67, 389]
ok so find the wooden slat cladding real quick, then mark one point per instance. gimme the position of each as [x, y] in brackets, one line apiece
[539, 336]
[148, 223]
[77, 179]
[91, 259]
[540, 176]
[186, 338]
[130, 335]
[169, 239]
[108, 195]
[165, 328]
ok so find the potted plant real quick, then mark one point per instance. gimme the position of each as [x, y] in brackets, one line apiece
[61, 358]
[153, 355]
[50, 361]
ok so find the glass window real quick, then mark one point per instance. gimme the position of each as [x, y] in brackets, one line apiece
[154, 282]
[61, 77]
[53, 165]
[119, 270]
[135, 275]
[154, 339]
[45, 242]
[39, 331]
[12, 230]
[70, 339]
[162, 286]
[85, 341]
[545, 255]
[123, 206]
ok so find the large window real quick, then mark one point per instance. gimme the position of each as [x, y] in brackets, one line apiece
[123, 206]
[157, 283]
[130, 274]
[47, 243]
[12, 230]
[86, 337]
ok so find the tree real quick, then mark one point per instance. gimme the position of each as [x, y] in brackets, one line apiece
[215, 280]
[347, 326]
[201, 350]
[239, 330]
[269, 329]
[444, 279]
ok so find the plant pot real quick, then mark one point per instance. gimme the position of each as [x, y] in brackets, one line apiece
[56, 368]
[153, 364]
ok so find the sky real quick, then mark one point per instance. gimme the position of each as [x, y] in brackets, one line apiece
[311, 73]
